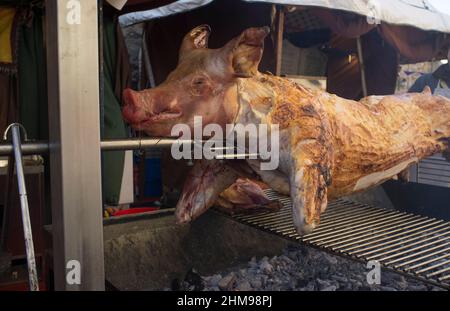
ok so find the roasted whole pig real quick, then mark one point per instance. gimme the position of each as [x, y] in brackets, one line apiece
[329, 146]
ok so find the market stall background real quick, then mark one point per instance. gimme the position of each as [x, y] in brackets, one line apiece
[398, 38]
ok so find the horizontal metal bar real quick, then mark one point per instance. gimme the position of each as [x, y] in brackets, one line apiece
[400, 243]
[379, 235]
[43, 147]
[433, 267]
[444, 278]
[415, 252]
[363, 229]
[38, 147]
[138, 143]
[446, 255]
[419, 259]
[352, 224]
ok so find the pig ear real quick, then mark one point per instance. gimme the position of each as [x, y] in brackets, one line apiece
[248, 51]
[197, 38]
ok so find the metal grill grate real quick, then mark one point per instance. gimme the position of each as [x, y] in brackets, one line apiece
[406, 243]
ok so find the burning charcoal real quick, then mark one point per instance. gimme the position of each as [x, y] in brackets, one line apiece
[339, 278]
[321, 284]
[194, 280]
[256, 283]
[175, 285]
[305, 271]
[302, 283]
[266, 267]
[244, 286]
[213, 281]
[227, 282]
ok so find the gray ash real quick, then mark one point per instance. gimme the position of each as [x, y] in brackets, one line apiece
[301, 268]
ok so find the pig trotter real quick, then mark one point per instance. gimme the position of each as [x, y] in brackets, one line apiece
[309, 196]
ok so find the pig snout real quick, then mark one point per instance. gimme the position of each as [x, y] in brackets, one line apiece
[155, 106]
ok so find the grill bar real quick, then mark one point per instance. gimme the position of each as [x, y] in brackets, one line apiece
[395, 247]
[410, 244]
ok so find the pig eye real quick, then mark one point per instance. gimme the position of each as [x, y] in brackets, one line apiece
[199, 86]
[198, 81]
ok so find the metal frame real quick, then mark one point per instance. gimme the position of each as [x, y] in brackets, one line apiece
[23, 196]
[362, 66]
[74, 127]
[279, 20]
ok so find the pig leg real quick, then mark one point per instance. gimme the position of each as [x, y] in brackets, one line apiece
[204, 184]
[308, 194]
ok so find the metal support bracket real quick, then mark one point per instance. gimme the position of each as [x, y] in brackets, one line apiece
[26, 222]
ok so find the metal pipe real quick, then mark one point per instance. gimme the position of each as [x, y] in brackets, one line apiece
[27, 233]
[38, 147]
[43, 147]
[279, 39]
[362, 66]
[139, 143]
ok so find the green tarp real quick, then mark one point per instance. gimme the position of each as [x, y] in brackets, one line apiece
[113, 124]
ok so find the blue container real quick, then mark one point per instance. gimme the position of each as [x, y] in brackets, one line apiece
[153, 182]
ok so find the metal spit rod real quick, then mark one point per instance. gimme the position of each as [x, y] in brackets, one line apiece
[31, 260]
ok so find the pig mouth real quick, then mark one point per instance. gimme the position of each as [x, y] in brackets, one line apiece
[164, 115]
[159, 117]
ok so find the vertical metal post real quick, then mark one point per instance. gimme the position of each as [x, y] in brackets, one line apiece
[75, 170]
[27, 232]
[279, 39]
[362, 66]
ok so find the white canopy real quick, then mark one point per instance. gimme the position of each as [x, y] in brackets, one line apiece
[416, 13]
[176, 7]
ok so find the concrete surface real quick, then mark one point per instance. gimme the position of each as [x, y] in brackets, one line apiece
[149, 253]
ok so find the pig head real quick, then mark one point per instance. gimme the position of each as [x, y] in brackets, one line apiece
[203, 84]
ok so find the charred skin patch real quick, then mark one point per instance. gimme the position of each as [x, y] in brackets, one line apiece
[284, 114]
[309, 111]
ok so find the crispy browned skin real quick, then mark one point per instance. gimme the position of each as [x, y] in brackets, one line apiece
[346, 146]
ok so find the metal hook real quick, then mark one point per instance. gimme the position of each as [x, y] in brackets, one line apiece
[24, 131]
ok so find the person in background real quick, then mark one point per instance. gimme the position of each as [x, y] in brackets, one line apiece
[438, 81]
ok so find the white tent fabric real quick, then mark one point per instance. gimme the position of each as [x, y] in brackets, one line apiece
[179, 6]
[416, 13]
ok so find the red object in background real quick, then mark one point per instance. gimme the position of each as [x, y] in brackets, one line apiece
[15, 241]
[22, 286]
[136, 210]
